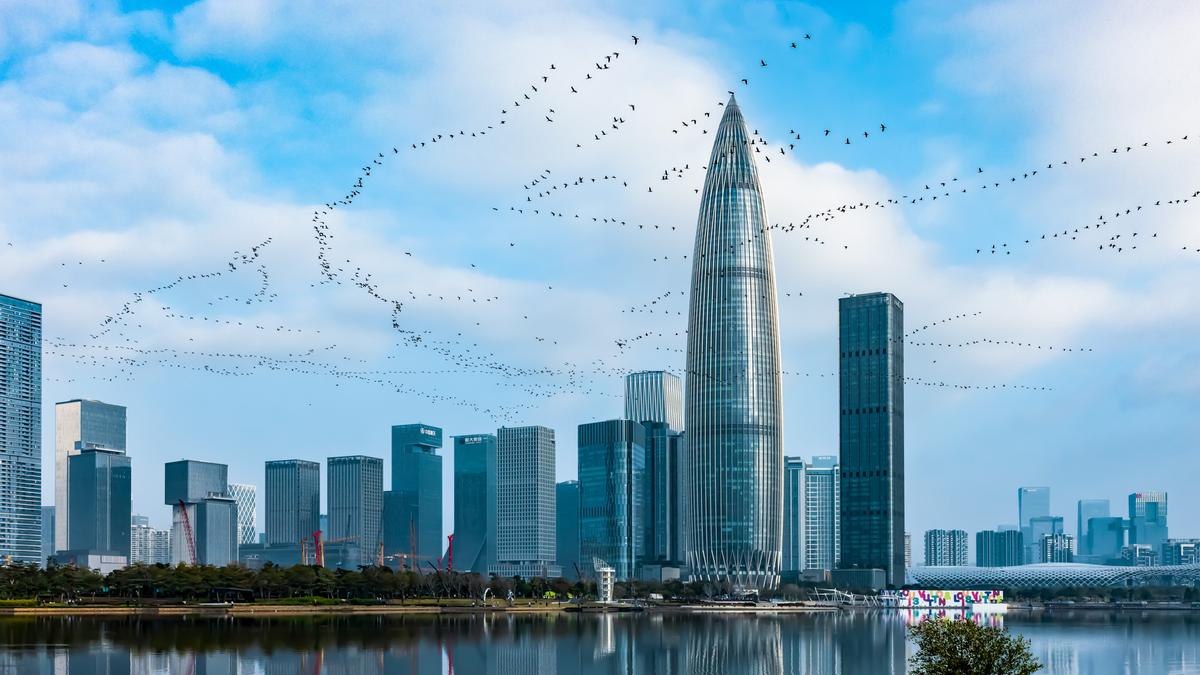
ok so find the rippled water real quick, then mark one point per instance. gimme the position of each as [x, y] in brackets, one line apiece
[850, 642]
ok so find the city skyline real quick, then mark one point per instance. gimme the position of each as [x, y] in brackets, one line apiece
[233, 166]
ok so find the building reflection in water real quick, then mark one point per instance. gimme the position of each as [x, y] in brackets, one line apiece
[841, 643]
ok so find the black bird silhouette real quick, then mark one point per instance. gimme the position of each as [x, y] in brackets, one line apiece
[635, 39]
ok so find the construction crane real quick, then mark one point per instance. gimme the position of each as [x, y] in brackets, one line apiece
[450, 552]
[318, 548]
[187, 532]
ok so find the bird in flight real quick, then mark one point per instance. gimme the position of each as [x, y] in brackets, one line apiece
[635, 39]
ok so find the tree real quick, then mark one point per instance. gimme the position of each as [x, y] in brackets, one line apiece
[963, 647]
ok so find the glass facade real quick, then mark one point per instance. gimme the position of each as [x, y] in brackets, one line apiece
[215, 526]
[566, 497]
[47, 534]
[612, 466]
[247, 518]
[20, 431]
[355, 495]
[871, 395]
[665, 495]
[1040, 526]
[793, 514]
[1000, 548]
[190, 481]
[526, 520]
[822, 513]
[80, 424]
[101, 505]
[474, 502]
[945, 547]
[293, 501]
[1086, 510]
[654, 396]
[733, 400]
[1106, 538]
[195, 484]
[1032, 502]
[1148, 519]
[417, 482]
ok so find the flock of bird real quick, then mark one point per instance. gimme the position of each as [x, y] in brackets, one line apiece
[115, 350]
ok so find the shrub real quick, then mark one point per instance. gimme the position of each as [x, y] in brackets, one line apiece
[962, 647]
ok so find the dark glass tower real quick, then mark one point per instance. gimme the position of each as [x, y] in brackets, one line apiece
[734, 407]
[416, 519]
[293, 500]
[474, 502]
[871, 384]
[612, 467]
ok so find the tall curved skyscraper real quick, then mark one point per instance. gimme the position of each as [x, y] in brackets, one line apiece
[734, 404]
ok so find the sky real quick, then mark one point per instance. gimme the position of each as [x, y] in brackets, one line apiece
[147, 147]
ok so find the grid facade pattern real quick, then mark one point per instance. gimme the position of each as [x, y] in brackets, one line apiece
[80, 424]
[190, 481]
[871, 394]
[417, 484]
[793, 514]
[247, 517]
[654, 396]
[356, 501]
[101, 503]
[822, 514]
[149, 546]
[734, 407]
[612, 466]
[20, 430]
[474, 502]
[566, 497]
[1001, 548]
[526, 518]
[665, 494]
[1054, 575]
[293, 500]
[215, 527]
[945, 547]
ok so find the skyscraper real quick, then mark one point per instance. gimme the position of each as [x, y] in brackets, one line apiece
[80, 424]
[47, 534]
[665, 522]
[654, 396]
[793, 514]
[999, 548]
[1106, 538]
[475, 502]
[734, 394]
[525, 503]
[822, 513]
[1040, 526]
[1086, 510]
[566, 506]
[1032, 502]
[356, 502]
[945, 547]
[244, 497]
[20, 431]
[100, 502]
[292, 509]
[1148, 519]
[198, 493]
[871, 386]
[417, 482]
[612, 466]
[1058, 548]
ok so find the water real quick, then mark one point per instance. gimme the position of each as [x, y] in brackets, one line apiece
[1093, 643]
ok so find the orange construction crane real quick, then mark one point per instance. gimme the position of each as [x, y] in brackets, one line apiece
[187, 532]
[318, 548]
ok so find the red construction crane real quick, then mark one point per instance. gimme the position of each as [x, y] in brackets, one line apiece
[318, 549]
[450, 552]
[187, 532]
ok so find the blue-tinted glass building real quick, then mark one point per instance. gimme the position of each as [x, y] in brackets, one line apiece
[1148, 519]
[612, 465]
[999, 548]
[474, 502]
[871, 395]
[654, 396]
[566, 497]
[198, 493]
[1086, 509]
[1039, 527]
[526, 507]
[822, 513]
[793, 514]
[80, 424]
[292, 508]
[1106, 538]
[355, 494]
[734, 395]
[101, 503]
[20, 430]
[417, 482]
[190, 481]
[665, 522]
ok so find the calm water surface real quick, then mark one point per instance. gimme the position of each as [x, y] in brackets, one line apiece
[849, 643]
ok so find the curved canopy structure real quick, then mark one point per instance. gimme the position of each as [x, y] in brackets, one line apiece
[1053, 575]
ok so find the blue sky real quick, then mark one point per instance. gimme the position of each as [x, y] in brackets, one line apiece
[160, 139]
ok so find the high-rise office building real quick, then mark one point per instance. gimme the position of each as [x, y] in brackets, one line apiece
[822, 513]
[20, 431]
[945, 547]
[566, 506]
[1106, 538]
[1148, 519]
[665, 490]
[203, 515]
[80, 424]
[734, 393]
[148, 545]
[475, 502]
[292, 508]
[654, 396]
[244, 496]
[1032, 502]
[793, 514]
[417, 484]
[100, 502]
[47, 534]
[1087, 509]
[871, 395]
[1181, 552]
[526, 521]
[356, 502]
[1058, 548]
[999, 548]
[1040, 526]
[908, 550]
[612, 466]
